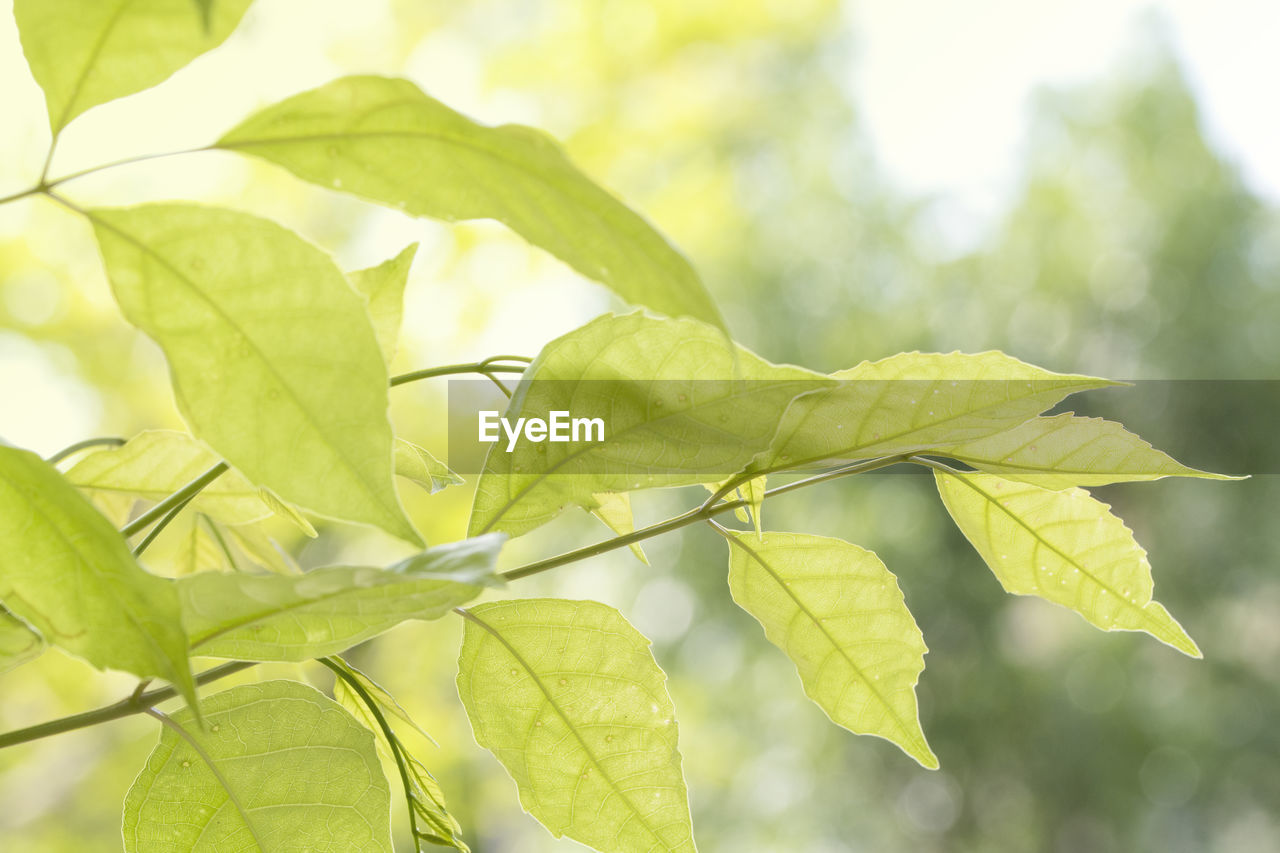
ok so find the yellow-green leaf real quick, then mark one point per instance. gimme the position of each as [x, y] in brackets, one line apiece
[154, 464]
[68, 573]
[18, 643]
[569, 698]
[418, 466]
[916, 401]
[322, 612]
[87, 53]
[1064, 546]
[273, 359]
[679, 406]
[1066, 450]
[384, 140]
[614, 509]
[277, 766]
[839, 615]
[383, 289]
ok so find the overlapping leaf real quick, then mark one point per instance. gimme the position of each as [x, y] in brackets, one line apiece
[383, 289]
[418, 466]
[839, 615]
[322, 612]
[154, 464]
[679, 406]
[87, 53]
[1066, 450]
[273, 359]
[568, 697]
[18, 643]
[277, 766]
[916, 401]
[614, 509]
[68, 573]
[383, 139]
[1064, 546]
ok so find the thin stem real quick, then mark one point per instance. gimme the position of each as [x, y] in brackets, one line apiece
[393, 743]
[693, 516]
[47, 184]
[134, 704]
[484, 367]
[48, 160]
[177, 499]
[16, 196]
[160, 526]
[106, 441]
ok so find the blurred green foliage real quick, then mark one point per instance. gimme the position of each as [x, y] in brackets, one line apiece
[1131, 249]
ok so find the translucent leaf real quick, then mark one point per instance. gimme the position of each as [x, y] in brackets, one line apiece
[916, 401]
[839, 615]
[383, 289]
[262, 550]
[323, 612]
[434, 823]
[277, 766]
[154, 464]
[1066, 450]
[1063, 546]
[568, 697]
[752, 491]
[680, 408]
[198, 547]
[384, 140]
[614, 509]
[85, 54]
[18, 643]
[285, 510]
[418, 466]
[273, 360]
[68, 573]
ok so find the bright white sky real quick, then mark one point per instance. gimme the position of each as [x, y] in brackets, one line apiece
[943, 85]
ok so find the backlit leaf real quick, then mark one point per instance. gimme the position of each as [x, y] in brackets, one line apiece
[568, 697]
[839, 615]
[18, 643]
[1066, 450]
[916, 401]
[277, 766]
[1064, 546]
[383, 289]
[324, 611]
[68, 573]
[384, 140]
[273, 360]
[154, 464]
[614, 509]
[87, 53]
[679, 407]
[418, 466]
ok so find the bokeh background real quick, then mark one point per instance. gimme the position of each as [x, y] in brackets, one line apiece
[1091, 186]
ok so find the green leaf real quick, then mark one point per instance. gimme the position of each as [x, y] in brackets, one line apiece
[614, 509]
[434, 822]
[680, 408]
[263, 551]
[273, 360]
[87, 53]
[383, 289]
[418, 466]
[917, 401]
[322, 612]
[18, 643]
[1063, 546]
[154, 464]
[1066, 450]
[384, 140]
[68, 573]
[839, 615]
[568, 697]
[278, 766]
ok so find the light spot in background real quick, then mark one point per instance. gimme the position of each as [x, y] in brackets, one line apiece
[1034, 632]
[42, 408]
[33, 298]
[1095, 683]
[930, 802]
[1169, 776]
[663, 609]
